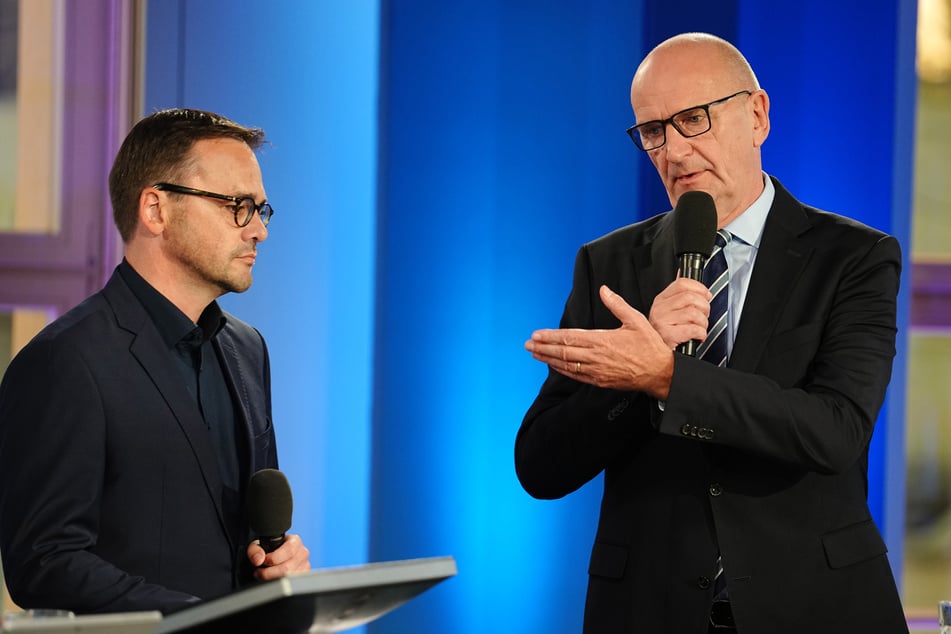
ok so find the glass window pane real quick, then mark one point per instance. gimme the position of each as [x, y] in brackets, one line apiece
[8, 103]
[931, 230]
[30, 114]
[17, 327]
[928, 476]
[927, 561]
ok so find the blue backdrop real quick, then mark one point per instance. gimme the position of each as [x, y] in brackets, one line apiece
[434, 167]
[307, 73]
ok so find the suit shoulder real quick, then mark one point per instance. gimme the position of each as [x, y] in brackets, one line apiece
[831, 221]
[78, 335]
[633, 235]
[241, 331]
[839, 232]
[824, 229]
[88, 321]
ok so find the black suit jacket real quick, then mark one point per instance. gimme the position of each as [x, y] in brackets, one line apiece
[765, 460]
[110, 491]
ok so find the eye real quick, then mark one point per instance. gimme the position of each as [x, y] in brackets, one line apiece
[651, 130]
[696, 118]
[243, 209]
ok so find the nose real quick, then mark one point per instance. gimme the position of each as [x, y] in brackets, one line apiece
[677, 145]
[256, 229]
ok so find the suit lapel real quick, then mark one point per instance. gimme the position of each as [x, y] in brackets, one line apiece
[654, 262]
[234, 375]
[779, 263]
[150, 351]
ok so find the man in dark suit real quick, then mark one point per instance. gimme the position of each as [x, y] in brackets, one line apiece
[130, 426]
[756, 468]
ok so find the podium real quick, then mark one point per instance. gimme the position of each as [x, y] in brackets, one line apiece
[53, 622]
[325, 600]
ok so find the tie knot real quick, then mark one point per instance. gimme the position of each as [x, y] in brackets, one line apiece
[723, 236]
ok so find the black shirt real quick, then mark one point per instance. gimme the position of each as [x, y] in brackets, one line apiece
[193, 354]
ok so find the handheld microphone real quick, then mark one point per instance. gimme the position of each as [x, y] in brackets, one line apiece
[270, 507]
[695, 231]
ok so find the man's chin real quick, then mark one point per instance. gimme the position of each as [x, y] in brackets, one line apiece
[234, 286]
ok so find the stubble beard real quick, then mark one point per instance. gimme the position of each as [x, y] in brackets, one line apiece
[202, 263]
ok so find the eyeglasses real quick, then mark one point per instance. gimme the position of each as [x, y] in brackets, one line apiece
[689, 123]
[244, 208]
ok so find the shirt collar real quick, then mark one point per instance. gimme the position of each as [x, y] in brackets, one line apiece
[748, 226]
[173, 325]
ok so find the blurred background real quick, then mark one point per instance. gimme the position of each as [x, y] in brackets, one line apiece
[434, 166]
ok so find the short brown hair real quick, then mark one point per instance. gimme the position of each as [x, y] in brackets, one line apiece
[156, 150]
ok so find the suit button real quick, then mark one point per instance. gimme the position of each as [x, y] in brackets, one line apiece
[703, 582]
[618, 409]
[715, 489]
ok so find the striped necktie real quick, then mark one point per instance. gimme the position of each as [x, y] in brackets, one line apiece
[716, 276]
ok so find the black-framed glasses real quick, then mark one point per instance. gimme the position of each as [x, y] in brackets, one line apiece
[689, 123]
[244, 208]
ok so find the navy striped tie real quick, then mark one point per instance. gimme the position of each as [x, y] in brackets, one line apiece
[716, 276]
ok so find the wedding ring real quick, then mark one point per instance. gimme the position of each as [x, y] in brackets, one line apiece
[577, 367]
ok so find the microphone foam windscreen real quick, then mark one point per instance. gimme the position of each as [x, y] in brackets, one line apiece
[695, 223]
[270, 505]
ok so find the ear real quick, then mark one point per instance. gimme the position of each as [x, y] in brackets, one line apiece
[152, 211]
[760, 117]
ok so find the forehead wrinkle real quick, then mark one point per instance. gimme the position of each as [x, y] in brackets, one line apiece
[655, 96]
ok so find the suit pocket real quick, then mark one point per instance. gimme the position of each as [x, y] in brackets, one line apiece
[261, 427]
[262, 438]
[853, 544]
[608, 560]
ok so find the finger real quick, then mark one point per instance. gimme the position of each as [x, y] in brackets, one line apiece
[618, 307]
[685, 287]
[558, 336]
[555, 362]
[292, 556]
[561, 344]
[286, 551]
[256, 554]
[570, 367]
[573, 370]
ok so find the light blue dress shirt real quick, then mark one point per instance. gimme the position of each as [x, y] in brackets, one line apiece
[747, 230]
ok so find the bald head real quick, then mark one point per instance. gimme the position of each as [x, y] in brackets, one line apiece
[701, 57]
[717, 60]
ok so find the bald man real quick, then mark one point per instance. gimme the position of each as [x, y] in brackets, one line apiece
[734, 493]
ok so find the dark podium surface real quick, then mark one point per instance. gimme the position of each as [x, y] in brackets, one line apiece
[52, 622]
[325, 600]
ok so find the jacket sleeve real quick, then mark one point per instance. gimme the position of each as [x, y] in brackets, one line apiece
[814, 397]
[572, 431]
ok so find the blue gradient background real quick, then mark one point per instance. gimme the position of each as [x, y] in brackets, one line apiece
[434, 166]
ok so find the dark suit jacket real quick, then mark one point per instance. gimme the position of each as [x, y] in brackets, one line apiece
[765, 460]
[110, 492]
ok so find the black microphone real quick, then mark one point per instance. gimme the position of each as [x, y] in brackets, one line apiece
[695, 232]
[270, 507]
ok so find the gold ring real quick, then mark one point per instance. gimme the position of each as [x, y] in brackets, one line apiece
[577, 367]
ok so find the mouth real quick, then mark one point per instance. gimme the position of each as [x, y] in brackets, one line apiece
[686, 178]
[248, 258]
